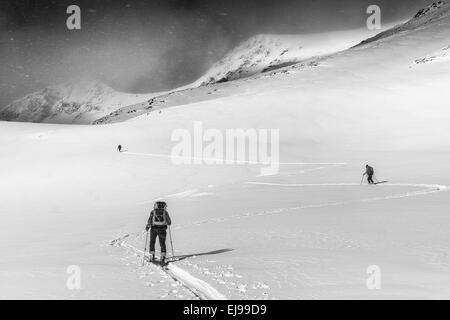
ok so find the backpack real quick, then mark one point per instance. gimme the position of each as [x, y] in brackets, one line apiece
[370, 170]
[159, 214]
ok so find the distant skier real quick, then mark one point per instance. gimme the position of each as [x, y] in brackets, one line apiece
[119, 147]
[369, 172]
[157, 223]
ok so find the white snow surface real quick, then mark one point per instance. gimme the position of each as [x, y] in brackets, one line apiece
[68, 198]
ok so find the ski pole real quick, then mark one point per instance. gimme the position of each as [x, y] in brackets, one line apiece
[145, 248]
[361, 180]
[171, 243]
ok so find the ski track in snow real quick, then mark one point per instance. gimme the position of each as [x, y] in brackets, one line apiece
[428, 189]
[197, 287]
[182, 194]
[229, 161]
[196, 193]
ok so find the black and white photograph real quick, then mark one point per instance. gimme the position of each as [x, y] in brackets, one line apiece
[239, 150]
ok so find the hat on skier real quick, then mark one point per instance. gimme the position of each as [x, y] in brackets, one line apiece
[160, 205]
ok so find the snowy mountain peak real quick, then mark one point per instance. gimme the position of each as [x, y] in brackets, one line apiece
[81, 92]
[67, 100]
[252, 56]
[80, 102]
[265, 52]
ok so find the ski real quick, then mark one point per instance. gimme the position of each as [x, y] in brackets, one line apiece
[165, 268]
[380, 182]
[159, 263]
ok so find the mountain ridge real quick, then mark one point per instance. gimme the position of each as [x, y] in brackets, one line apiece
[80, 103]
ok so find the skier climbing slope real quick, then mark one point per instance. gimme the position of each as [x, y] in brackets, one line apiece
[369, 172]
[158, 222]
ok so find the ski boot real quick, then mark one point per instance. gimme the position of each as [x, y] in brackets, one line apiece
[163, 258]
[152, 257]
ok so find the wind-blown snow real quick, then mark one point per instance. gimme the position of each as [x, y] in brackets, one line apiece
[266, 52]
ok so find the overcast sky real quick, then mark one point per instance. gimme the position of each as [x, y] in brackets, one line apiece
[153, 45]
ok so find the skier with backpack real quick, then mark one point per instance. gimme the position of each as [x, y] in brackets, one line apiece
[157, 223]
[119, 147]
[369, 172]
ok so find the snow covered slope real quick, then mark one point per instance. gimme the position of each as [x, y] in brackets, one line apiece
[79, 103]
[442, 55]
[266, 52]
[433, 13]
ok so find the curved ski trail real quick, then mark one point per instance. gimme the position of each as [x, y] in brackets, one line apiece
[428, 189]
